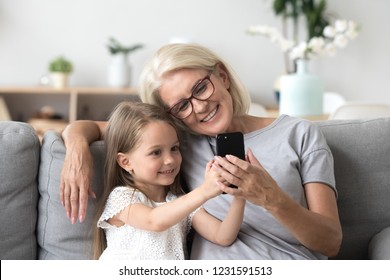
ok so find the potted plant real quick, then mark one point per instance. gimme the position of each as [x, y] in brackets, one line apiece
[119, 69]
[60, 68]
[315, 17]
[298, 92]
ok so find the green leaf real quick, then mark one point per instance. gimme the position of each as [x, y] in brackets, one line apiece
[114, 47]
[279, 6]
[60, 64]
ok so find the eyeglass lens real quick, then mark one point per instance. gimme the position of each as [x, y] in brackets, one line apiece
[201, 91]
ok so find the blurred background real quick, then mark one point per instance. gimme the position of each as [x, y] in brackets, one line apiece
[33, 32]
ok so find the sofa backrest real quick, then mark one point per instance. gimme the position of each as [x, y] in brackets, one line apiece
[57, 237]
[19, 161]
[361, 151]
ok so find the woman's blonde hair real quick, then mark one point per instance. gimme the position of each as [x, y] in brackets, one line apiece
[173, 57]
[125, 127]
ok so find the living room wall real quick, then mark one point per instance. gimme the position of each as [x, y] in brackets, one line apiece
[33, 32]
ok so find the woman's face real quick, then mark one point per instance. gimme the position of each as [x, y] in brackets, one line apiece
[208, 117]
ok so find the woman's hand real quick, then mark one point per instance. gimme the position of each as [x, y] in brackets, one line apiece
[253, 181]
[75, 186]
[76, 174]
[316, 227]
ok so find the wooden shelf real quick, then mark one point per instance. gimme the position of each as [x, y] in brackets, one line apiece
[68, 90]
[73, 94]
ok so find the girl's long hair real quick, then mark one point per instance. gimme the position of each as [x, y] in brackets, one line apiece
[125, 127]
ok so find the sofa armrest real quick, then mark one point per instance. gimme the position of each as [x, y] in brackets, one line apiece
[379, 247]
[19, 161]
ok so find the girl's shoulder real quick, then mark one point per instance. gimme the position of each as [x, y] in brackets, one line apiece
[126, 195]
[120, 198]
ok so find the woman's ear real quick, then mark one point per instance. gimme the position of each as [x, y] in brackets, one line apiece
[124, 161]
[223, 75]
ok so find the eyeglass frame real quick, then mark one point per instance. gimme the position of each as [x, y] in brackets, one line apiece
[207, 77]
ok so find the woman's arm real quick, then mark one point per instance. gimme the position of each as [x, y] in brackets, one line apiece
[318, 227]
[76, 174]
[224, 232]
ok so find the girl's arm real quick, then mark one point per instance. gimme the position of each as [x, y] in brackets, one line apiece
[224, 232]
[77, 169]
[163, 217]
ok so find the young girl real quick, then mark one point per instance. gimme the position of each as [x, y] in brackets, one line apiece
[146, 214]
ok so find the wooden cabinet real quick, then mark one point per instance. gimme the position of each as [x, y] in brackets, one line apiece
[74, 103]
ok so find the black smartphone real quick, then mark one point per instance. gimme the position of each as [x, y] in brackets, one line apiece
[231, 143]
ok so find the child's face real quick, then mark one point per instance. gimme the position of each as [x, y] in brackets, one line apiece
[156, 159]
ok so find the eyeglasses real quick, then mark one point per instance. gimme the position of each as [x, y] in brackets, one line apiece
[202, 91]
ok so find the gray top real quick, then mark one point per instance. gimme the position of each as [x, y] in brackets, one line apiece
[294, 152]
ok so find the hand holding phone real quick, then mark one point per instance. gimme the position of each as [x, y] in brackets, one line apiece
[231, 143]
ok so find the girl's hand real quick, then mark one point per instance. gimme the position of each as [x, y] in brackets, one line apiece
[213, 181]
[253, 181]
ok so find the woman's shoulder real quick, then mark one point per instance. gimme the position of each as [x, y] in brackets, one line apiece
[278, 124]
[294, 123]
[287, 129]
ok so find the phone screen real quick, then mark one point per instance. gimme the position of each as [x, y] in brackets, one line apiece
[231, 144]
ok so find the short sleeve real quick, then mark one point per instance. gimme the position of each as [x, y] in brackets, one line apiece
[190, 217]
[317, 159]
[119, 199]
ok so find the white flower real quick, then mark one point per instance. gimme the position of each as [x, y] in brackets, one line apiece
[352, 30]
[334, 37]
[329, 31]
[298, 51]
[316, 44]
[273, 34]
[340, 25]
[330, 49]
[340, 41]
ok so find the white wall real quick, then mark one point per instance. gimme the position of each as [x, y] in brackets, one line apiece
[32, 32]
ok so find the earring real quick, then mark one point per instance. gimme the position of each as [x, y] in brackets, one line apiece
[130, 171]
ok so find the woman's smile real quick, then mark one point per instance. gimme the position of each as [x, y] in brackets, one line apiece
[211, 114]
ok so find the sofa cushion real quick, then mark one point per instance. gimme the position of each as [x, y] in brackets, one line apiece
[19, 161]
[361, 150]
[57, 237]
[379, 247]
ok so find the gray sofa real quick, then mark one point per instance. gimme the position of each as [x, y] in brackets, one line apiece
[34, 224]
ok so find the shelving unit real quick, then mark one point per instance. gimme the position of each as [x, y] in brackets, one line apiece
[71, 103]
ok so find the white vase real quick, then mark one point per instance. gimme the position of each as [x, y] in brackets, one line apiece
[301, 93]
[59, 80]
[119, 71]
